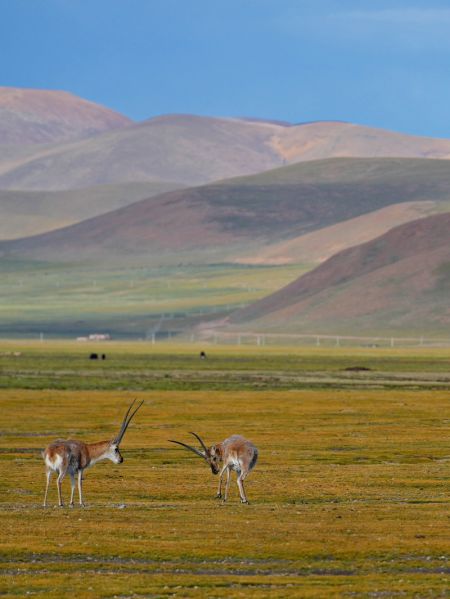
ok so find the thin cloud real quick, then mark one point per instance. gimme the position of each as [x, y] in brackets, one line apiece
[409, 16]
[410, 29]
[394, 29]
[421, 19]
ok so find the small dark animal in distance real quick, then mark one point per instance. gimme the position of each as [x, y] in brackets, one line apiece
[202, 355]
[357, 368]
[93, 357]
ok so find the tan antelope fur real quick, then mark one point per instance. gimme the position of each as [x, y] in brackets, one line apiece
[235, 453]
[73, 457]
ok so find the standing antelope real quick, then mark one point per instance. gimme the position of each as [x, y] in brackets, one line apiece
[73, 457]
[235, 453]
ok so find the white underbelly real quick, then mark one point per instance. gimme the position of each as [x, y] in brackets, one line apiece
[54, 464]
[236, 465]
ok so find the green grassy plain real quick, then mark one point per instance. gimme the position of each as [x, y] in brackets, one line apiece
[349, 497]
[74, 299]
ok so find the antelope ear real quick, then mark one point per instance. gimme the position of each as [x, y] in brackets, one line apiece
[215, 449]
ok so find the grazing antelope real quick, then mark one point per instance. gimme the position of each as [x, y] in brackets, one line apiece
[235, 453]
[72, 457]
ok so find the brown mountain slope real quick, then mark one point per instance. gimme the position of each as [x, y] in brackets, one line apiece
[32, 116]
[219, 222]
[397, 282]
[196, 150]
[24, 213]
[320, 245]
[316, 141]
[184, 149]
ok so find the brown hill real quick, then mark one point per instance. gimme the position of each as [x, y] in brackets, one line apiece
[217, 223]
[397, 282]
[32, 116]
[319, 140]
[320, 245]
[195, 150]
[24, 213]
[184, 149]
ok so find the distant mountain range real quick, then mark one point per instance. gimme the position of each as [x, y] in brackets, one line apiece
[81, 183]
[396, 282]
[254, 215]
[53, 141]
[230, 219]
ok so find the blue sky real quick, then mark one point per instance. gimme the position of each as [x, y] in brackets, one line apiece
[380, 63]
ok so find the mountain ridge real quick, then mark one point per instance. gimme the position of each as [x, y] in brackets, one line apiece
[245, 215]
[99, 147]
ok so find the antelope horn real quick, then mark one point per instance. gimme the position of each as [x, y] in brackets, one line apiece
[196, 451]
[126, 421]
[201, 442]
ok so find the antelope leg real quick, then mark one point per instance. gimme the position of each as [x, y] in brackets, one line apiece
[219, 490]
[228, 484]
[240, 482]
[80, 487]
[61, 475]
[49, 475]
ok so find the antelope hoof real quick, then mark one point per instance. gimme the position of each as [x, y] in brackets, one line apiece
[71, 505]
[219, 496]
[245, 501]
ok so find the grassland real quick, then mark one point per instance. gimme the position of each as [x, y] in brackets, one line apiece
[349, 497]
[172, 367]
[76, 299]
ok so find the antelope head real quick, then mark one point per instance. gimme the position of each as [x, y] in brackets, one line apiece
[114, 454]
[212, 455]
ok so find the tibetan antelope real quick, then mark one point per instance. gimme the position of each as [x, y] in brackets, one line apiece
[73, 457]
[235, 453]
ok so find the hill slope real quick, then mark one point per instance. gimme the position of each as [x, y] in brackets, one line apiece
[217, 223]
[397, 282]
[195, 150]
[320, 140]
[185, 149]
[321, 244]
[32, 116]
[24, 213]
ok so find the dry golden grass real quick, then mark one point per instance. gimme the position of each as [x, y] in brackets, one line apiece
[349, 497]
